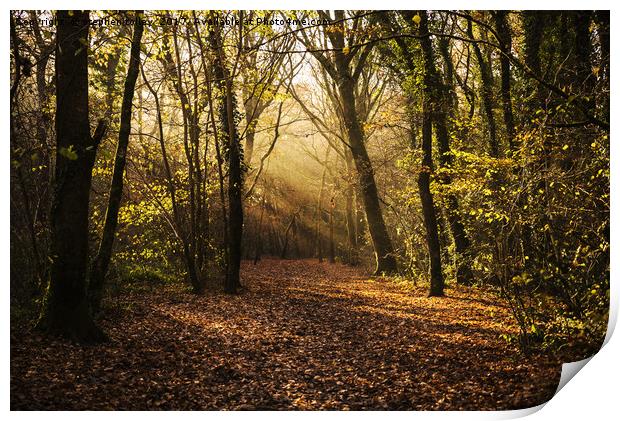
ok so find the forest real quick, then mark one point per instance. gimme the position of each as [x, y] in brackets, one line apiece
[306, 210]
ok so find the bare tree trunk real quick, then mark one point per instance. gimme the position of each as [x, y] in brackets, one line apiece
[218, 154]
[286, 232]
[65, 310]
[259, 231]
[102, 260]
[338, 65]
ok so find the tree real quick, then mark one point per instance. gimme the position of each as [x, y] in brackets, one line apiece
[438, 105]
[230, 136]
[104, 254]
[533, 25]
[505, 39]
[339, 67]
[431, 113]
[486, 76]
[66, 309]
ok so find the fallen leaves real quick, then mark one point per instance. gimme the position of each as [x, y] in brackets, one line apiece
[301, 335]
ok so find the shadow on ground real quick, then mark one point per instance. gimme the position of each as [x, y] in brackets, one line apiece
[302, 335]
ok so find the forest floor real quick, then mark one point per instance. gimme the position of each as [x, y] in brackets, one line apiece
[301, 335]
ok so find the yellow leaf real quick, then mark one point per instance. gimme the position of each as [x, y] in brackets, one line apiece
[417, 19]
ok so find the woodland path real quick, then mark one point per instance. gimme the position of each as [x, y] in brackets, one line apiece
[301, 335]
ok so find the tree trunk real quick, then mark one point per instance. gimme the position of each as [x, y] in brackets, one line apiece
[430, 108]
[259, 231]
[104, 254]
[250, 134]
[318, 240]
[533, 28]
[503, 30]
[384, 253]
[216, 140]
[284, 249]
[332, 251]
[428, 208]
[583, 49]
[235, 169]
[487, 93]
[338, 65]
[439, 106]
[65, 309]
[110, 75]
[351, 212]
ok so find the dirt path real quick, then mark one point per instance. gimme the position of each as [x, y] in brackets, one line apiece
[302, 335]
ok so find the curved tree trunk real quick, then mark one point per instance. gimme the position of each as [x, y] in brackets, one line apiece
[338, 66]
[384, 252]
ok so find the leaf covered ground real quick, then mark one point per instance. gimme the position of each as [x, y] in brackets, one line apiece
[301, 335]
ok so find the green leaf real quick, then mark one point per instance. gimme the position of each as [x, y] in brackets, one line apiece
[68, 153]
